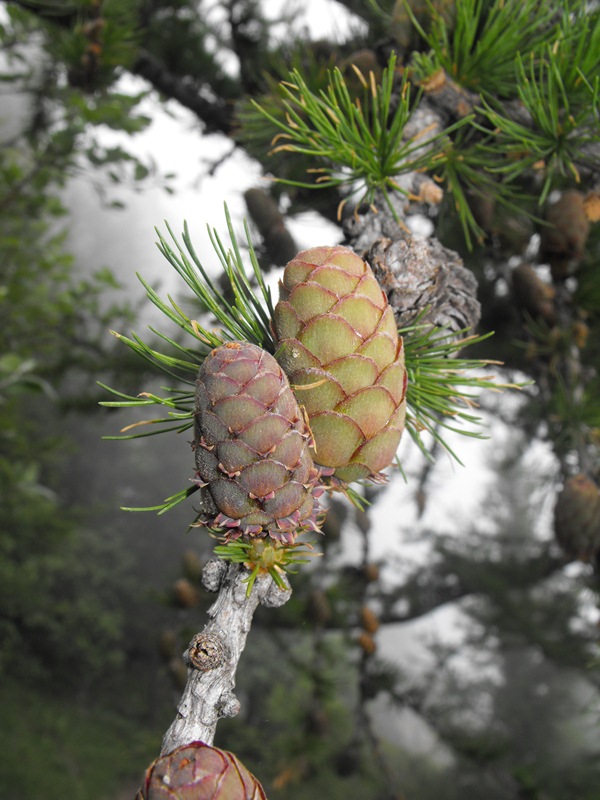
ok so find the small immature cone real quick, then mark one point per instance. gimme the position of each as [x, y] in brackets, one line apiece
[199, 772]
[580, 333]
[252, 448]
[591, 206]
[369, 620]
[367, 643]
[371, 572]
[577, 518]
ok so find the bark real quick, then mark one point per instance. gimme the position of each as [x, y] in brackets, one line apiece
[278, 242]
[213, 654]
[421, 278]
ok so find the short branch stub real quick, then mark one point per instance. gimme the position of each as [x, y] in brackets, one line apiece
[206, 651]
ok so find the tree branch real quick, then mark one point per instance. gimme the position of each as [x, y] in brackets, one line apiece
[213, 654]
[213, 111]
[359, 8]
[456, 577]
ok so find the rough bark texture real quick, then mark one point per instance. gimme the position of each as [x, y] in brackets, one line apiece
[213, 654]
[417, 274]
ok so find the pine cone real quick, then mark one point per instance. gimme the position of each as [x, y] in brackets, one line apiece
[369, 620]
[591, 206]
[371, 572]
[338, 343]
[252, 448]
[367, 643]
[199, 772]
[416, 273]
[577, 518]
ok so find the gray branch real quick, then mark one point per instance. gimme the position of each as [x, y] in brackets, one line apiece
[200, 99]
[213, 654]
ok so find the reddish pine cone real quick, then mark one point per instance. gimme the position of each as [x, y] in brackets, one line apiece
[251, 446]
[199, 772]
[577, 518]
[337, 333]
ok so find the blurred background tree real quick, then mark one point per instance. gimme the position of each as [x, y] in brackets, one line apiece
[440, 646]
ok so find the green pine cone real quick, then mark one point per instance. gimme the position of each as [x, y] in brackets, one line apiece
[252, 448]
[199, 772]
[337, 335]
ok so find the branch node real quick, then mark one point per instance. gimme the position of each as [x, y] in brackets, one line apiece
[213, 574]
[275, 597]
[206, 651]
[229, 705]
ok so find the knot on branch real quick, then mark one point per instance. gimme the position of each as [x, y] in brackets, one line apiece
[448, 96]
[274, 597]
[229, 705]
[363, 224]
[206, 651]
[213, 574]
